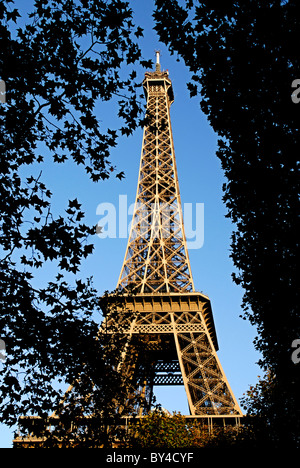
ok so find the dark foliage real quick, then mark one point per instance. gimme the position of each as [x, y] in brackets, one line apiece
[58, 62]
[243, 63]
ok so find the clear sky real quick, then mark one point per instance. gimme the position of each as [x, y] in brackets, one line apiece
[200, 181]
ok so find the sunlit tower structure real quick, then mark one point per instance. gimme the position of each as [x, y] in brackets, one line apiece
[174, 321]
[156, 278]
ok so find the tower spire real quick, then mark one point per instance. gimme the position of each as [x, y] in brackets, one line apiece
[157, 65]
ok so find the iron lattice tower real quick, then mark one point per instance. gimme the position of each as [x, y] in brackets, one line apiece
[174, 320]
[177, 320]
[156, 258]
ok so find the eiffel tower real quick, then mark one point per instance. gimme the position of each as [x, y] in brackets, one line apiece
[156, 276]
[157, 285]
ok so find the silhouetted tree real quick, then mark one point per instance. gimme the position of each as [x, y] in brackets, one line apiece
[95, 411]
[260, 402]
[56, 62]
[244, 65]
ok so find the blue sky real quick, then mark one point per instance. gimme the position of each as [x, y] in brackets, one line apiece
[200, 181]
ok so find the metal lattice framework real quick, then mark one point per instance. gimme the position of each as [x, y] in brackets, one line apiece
[156, 258]
[181, 348]
[162, 309]
[156, 275]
